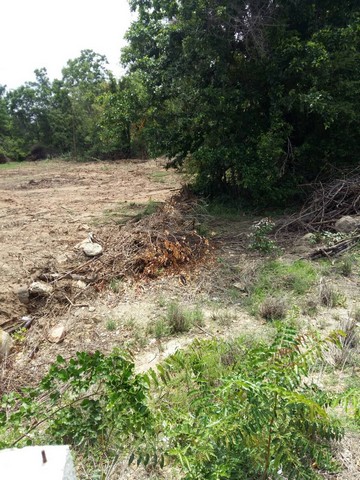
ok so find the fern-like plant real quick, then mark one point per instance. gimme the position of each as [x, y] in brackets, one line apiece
[231, 412]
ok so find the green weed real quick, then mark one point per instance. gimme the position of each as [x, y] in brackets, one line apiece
[259, 237]
[278, 279]
[159, 329]
[111, 325]
[115, 285]
[330, 296]
[177, 318]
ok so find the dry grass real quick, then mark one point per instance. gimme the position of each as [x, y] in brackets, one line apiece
[273, 308]
[347, 349]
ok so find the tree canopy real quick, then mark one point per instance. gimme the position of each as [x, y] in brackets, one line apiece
[256, 96]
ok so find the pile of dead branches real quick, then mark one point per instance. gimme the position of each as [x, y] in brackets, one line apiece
[165, 242]
[327, 204]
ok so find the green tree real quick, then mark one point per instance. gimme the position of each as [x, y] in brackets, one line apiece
[29, 106]
[123, 120]
[85, 79]
[256, 96]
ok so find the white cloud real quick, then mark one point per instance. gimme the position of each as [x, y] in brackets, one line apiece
[45, 33]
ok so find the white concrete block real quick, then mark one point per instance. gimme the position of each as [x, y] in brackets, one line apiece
[48, 462]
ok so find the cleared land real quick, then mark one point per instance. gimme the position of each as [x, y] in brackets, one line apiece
[48, 208]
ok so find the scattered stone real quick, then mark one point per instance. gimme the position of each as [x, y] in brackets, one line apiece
[240, 286]
[92, 249]
[6, 342]
[308, 237]
[23, 294]
[41, 288]
[347, 224]
[81, 284]
[57, 334]
[63, 258]
[27, 321]
[92, 309]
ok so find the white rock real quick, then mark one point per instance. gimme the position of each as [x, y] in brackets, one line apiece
[92, 249]
[57, 334]
[41, 288]
[6, 342]
[347, 224]
[28, 463]
[81, 284]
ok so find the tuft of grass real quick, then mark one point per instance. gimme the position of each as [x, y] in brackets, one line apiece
[161, 301]
[180, 320]
[111, 325]
[196, 316]
[177, 319]
[278, 279]
[329, 296]
[346, 351]
[273, 308]
[159, 329]
[223, 318]
[345, 267]
[130, 323]
[310, 306]
[356, 315]
[115, 285]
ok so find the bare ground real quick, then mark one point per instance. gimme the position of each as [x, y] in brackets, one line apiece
[47, 208]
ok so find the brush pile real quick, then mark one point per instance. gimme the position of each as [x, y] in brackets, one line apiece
[164, 242]
[327, 204]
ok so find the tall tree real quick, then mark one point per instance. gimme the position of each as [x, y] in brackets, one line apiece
[258, 95]
[86, 78]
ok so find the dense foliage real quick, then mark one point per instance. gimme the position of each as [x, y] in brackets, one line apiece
[258, 96]
[219, 410]
[85, 114]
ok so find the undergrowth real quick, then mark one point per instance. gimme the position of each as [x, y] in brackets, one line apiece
[218, 410]
[276, 279]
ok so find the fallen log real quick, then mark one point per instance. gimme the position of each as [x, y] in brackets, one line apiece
[335, 250]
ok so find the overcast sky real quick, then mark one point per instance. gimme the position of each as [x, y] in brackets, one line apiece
[45, 33]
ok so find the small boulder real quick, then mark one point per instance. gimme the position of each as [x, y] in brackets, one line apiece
[23, 294]
[6, 342]
[347, 224]
[41, 288]
[92, 249]
[57, 334]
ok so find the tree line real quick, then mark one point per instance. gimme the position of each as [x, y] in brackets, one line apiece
[87, 113]
[254, 97]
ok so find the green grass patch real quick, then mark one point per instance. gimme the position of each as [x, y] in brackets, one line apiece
[11, 165]
[225, 210]
[177, 319]
[278, 279]
[159, 177]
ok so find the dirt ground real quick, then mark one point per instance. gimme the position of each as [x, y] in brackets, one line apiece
[46, 210]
